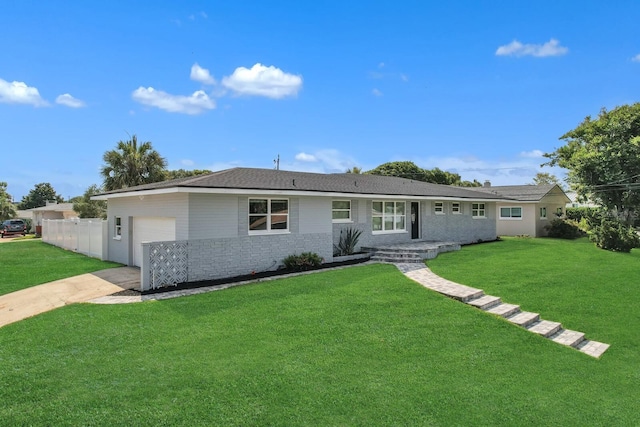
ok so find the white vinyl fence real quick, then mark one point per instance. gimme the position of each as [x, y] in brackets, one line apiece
[86, 236]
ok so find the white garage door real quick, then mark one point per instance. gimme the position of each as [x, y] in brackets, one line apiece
[151, 229]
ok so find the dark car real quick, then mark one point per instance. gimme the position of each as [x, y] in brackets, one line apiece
[13, 226]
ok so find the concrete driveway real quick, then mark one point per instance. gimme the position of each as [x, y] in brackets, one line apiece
[85, 287]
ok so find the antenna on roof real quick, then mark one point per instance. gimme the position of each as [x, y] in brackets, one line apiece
[277, 162]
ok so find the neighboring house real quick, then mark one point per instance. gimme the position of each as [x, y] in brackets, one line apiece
[576, 202]
[243, 220]
[533, 207]
[51, 210]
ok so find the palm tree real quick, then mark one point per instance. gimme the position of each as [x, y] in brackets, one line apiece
[132, 164]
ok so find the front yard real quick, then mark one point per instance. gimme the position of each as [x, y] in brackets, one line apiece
[359, 346]
[25, 264]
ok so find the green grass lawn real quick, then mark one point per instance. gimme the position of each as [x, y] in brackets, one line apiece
[359, 346]
[25, 264]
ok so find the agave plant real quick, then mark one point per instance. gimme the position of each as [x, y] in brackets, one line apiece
[348, 241]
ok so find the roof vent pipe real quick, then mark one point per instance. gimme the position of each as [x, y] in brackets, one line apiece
[487, 184]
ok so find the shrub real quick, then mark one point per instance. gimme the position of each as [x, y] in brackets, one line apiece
[613, 235]
[348, 241]
[590, 215]
[304, 261]
[564, 229]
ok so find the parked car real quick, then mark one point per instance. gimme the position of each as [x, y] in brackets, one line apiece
[13, 226]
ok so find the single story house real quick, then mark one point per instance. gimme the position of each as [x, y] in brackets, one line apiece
[530, 209]
[243, 220]
[52, 210]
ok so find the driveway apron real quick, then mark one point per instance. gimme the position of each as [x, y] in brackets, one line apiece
[29, 302]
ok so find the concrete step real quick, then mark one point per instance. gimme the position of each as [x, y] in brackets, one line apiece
[568, 337]
[545, 328]
[592, 348]
[376, 258]
[504, 310]
[524, 318]
[485, 302]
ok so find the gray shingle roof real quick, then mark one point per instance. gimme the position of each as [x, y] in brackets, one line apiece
[270, 179]
[525, 193]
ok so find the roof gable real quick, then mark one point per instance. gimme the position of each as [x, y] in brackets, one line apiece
[526, 193]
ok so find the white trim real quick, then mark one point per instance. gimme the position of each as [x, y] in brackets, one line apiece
[268, 215]
[484, 210]
[241, 191]
[341, 220]
[435, 208]
[510, 218]
[459, 211]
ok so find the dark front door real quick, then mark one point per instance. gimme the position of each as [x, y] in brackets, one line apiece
[415, 220]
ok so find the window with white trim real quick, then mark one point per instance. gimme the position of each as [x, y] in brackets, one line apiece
[268, 215]
[543, 213]
[341, 210]
[456, 208]
[511, 212]
[438, 208]
[559, 212]
[477, 210]
[388, 216]
[117, 227]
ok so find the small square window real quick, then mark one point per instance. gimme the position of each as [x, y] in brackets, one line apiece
[477, 210]
[456, 208]
[341, 210]
[438, 208]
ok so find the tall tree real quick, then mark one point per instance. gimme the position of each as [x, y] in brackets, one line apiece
[183, 173]
[87, 208]
[408, 170]
[39, 196]
[544, 178]
[132, 164]
[7, 208]
[602, 157]
[355, 170]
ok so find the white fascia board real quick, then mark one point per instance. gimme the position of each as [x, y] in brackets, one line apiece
[242, 191]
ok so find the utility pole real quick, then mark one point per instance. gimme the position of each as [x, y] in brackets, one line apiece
[277, 162]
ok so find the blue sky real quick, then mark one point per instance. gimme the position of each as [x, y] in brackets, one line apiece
[480, 88]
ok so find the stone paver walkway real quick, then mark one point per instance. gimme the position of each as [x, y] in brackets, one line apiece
[511, 312]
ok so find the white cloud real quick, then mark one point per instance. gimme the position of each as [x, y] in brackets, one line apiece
[508, 171]
[20, 93]
[201, 75]
[533, 154]
[376, 92]
[69, 101]
[187, 162]
[304, 157]
[324, 161]
[404, 77]
[636, 58]
[515, 48]
[204, 15]
[260, 80]
[381, 65]
[196, 103]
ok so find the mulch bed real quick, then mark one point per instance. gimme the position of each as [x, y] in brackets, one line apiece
[236, 279]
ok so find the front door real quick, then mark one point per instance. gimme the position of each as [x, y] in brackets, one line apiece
[415, 220]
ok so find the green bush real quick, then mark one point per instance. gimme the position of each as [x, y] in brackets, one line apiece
[591, 215]
[348, 241]
[304, 261]
[564, 229]
[613, 235]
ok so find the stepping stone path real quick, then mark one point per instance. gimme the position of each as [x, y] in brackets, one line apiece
[476, 297]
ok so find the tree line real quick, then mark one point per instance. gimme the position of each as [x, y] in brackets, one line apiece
[601, 155]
